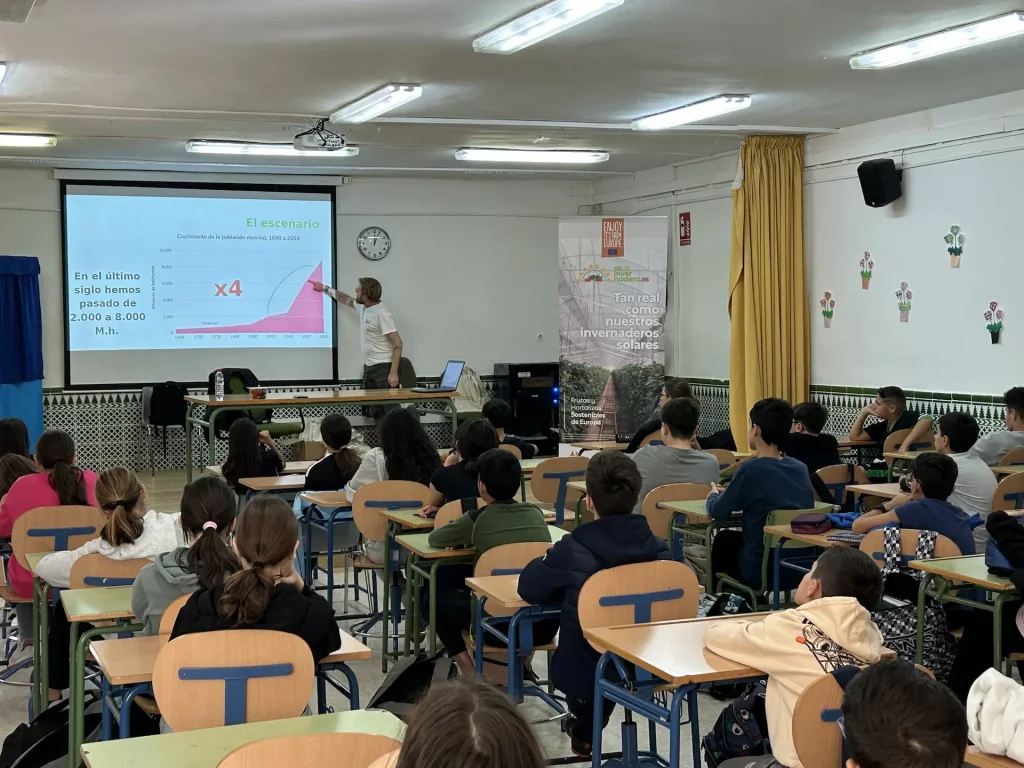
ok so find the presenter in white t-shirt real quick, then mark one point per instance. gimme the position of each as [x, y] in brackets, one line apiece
[378, 335]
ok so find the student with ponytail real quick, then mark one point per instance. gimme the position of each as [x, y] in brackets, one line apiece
[267, 593]
[60, 483]
[130, 533]
[339, 465]
[206, 560]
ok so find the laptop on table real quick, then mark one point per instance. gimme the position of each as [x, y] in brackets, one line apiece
[449, 379]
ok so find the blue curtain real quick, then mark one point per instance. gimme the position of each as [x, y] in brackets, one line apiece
[21, 342]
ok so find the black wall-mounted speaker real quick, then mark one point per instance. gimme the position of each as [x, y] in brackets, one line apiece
[880, 182]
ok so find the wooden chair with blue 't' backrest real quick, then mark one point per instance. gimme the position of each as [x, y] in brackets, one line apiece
[1009, 494]
[96, 570]
[1013, 458]
[550, 482]
[233, 676]
[873, 545]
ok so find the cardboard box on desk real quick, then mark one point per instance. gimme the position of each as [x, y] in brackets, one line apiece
[308, 451]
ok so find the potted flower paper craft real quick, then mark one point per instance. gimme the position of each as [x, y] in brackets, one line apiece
[994, 318]
[903, 297]
[828, 308]
[955, 246]
[866, 265]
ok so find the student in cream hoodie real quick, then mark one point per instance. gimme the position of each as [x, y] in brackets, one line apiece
[830, 628]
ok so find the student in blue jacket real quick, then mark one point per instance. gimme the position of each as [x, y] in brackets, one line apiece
[767, 482]
[616, 537]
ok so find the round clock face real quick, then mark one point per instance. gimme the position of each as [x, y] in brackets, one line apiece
[374, 243]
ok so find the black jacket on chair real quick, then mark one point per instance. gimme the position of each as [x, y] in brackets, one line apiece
[559, 576]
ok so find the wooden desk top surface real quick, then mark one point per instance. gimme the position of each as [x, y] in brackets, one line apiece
[696, 510]
[206, 748]
[600, 445]
[846, 442]
[528, 465]
[34, 558]
[1013, 469]
[971, 569]
[326, 499]
[417, 544]
[817, 539]
[130, 660]
[882, 490]
[290, 468]
[503, 590]
[97, 603]
[906, 455]
[976, 757]
[672, 650]
[409, 519]
[280, 483]
[274, 399]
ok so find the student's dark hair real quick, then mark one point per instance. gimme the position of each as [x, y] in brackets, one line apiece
[613, 483]
[473, 439]
[265, 535]
[469, 724]
[681, 415]
[848, 572]
[118, 493]
[775, 418]
[408, 452]
[1014, 398]
[500, 472]
[498, 412]
[55, 451]
[371, 288]
[12, 467]
[936, 473]
[893, 395]
[243, 451]
[13, 437]
[896, 715]
[677, 387]
[961, 429]
[336, 432]
[812, 415]
[210, 556]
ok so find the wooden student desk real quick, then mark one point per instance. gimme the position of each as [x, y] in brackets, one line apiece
[206, 748]
[905, 455]
[600, 445]
[279, 484]
[983, 760]
[882, 490]
[290, 468]
[40, 632]
[211, 405]
[944, 576]
[785, 533]
[1012, 469]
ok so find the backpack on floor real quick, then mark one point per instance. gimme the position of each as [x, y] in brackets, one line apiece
[741, 730]
[897, 618]
[44, 741]
[409, 681]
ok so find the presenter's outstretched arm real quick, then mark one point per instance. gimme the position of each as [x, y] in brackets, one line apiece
[396, 357]
[334, 293]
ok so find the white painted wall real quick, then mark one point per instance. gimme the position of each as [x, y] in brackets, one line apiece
[472, 273]
[962, 166]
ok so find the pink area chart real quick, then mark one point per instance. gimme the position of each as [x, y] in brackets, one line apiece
[306, 315]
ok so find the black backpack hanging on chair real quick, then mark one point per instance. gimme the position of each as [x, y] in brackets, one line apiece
[167, 407]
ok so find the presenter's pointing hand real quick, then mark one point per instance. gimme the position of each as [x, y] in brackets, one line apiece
[318, 286]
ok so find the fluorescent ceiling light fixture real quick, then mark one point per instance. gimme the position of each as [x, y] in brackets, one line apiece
[702, 110]
[554, 156]
[377, 103]
[540, 24]
[264, 150]
[26, 140]
[947, 41]
[3, 70]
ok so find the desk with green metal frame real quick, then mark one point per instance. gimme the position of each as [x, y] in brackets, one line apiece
[398, 520]
[40, 634]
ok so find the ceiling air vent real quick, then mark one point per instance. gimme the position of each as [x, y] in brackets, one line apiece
[15, 11]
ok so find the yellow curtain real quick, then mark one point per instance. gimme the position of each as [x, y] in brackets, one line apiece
[770, 338]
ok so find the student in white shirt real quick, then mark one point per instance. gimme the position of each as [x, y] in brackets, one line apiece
[992, 447]
[956, 436]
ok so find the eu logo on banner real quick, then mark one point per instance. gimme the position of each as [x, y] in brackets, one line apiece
[613, 237]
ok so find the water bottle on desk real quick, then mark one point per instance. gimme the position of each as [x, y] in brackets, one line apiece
[218, 384]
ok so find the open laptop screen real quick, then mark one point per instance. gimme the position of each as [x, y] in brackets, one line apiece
[452, 374]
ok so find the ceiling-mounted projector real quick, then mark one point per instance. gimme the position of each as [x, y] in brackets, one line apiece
[319, 139]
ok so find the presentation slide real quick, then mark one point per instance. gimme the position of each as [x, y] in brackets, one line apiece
[188, 280]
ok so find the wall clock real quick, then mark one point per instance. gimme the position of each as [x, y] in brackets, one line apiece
[374, 243]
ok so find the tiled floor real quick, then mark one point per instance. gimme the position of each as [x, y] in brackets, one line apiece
[165, 495]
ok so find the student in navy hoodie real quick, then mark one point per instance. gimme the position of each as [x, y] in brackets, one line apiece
[616, 537]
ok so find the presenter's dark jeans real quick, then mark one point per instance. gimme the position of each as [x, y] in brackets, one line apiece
[376, 377]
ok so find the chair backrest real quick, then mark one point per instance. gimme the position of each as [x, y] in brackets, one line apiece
[390, 760]
[54, 529]
[452, 511]
[514, 450]
[550, 480]
[652, 439]
[662, 590]
[371, 498]
[233, 676]
[725, 458]
[147, 404]
[658, 518]
[506, 560]
[319, 750]
[873, 545]
[171, 614]
[1009, 494]
[1014, 457]
[895, 440]
[816, 734]
[837, 476]
[97, 570]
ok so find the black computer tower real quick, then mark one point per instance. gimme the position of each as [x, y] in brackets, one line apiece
[533, 391]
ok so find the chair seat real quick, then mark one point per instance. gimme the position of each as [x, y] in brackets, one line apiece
[8, 596]
[1017, 657]
[148, 705]
[363, 562]
[498, 652]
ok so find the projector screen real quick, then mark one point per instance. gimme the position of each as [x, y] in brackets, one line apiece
[170, 282]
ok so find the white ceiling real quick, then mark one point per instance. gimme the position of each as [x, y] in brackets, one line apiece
[131, 80]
